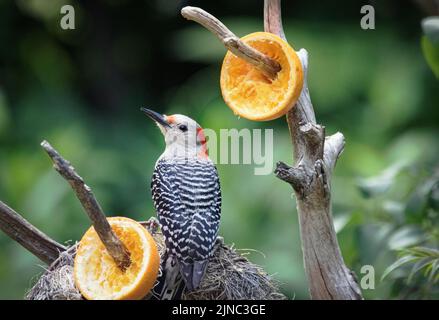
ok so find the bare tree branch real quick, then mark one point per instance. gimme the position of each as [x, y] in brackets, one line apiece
[315, 158]
[267, 65]
[112, 243]
[334, 146]
[292, 175]
[273, 18]
[19, 229]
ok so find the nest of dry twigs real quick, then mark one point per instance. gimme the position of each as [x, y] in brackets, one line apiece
[229, 276]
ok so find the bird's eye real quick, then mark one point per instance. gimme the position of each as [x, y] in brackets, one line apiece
[182, 127]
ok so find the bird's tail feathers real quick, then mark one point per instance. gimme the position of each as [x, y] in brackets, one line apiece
[193, 273]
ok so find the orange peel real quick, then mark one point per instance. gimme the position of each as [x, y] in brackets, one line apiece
[98, 277]
[253, 95]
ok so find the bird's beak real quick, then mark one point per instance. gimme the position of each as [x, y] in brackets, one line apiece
[157, 117]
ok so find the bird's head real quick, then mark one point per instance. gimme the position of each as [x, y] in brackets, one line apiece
[184, 137]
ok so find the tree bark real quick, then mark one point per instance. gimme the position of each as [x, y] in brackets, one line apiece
[310, 177]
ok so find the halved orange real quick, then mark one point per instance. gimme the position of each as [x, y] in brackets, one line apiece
[98, 277]
[253, 95]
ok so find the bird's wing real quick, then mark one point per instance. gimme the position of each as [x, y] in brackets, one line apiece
[164, 188]
[203, 204]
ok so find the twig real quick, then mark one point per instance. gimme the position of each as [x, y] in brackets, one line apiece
[267, 65]
[112, 243]
[334, 146]
[19, 229]
[315, 157]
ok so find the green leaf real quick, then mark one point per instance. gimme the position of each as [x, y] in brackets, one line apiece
[398, 263]
[424, 252]
[433, 270]
[377, 185]
[430, 26]
[431, 54]
[421, 264]
[425, 258]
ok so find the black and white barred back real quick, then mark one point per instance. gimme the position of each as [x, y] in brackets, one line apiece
[187, 198]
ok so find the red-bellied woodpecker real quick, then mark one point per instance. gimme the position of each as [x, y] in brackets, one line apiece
[187, 197]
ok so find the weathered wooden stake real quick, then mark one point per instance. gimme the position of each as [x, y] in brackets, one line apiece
[112, 243]
[314, 157]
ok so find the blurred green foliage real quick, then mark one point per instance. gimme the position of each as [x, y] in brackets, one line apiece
[82, 90]
[430, 42]
[424, 261]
